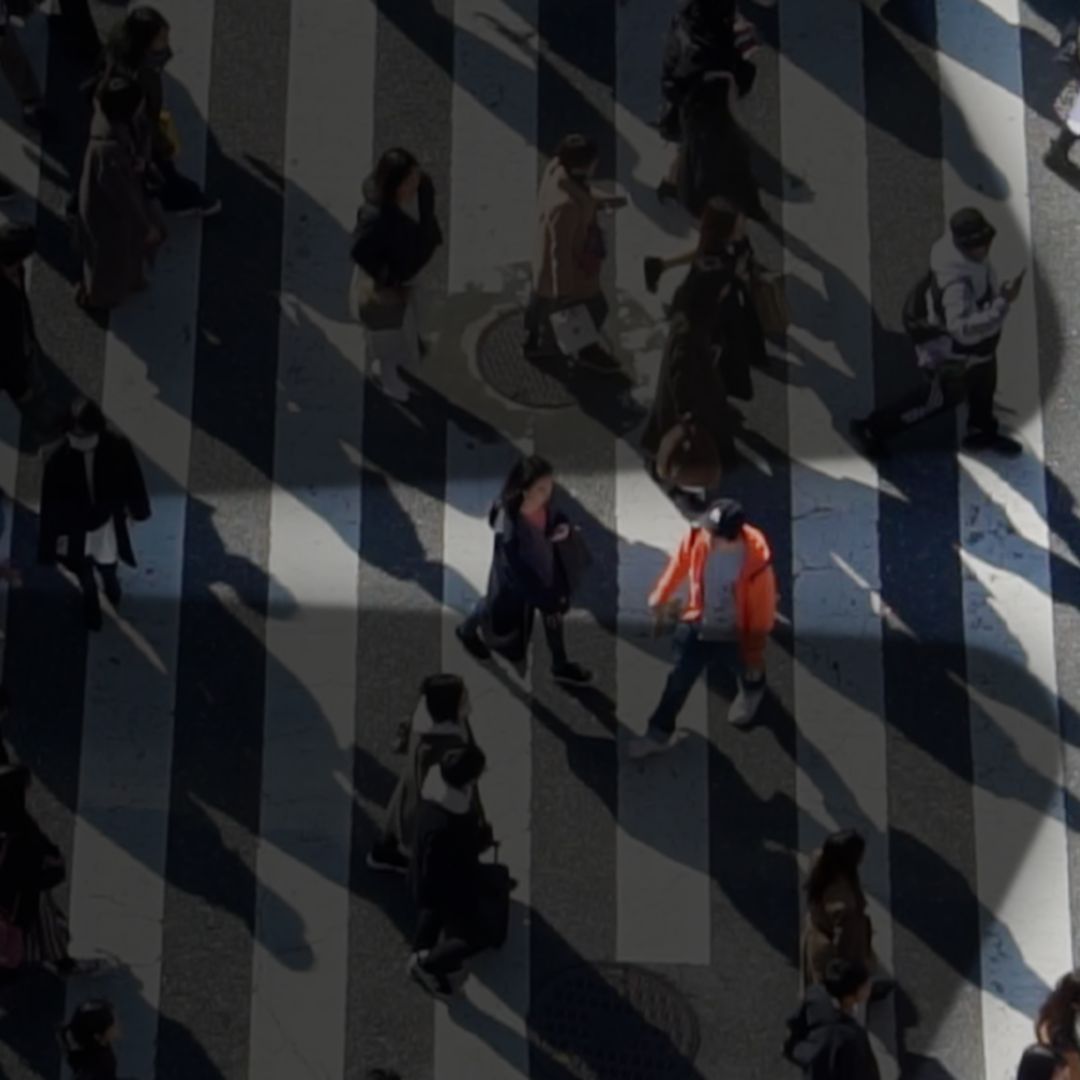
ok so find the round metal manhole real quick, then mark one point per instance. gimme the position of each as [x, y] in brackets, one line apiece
[612, 1022]
[503, 366]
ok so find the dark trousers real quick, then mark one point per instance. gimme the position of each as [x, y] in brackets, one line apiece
[84, 571]
[177, 192]
[693, 657]
[941, 393]
[554, 631]
[79, 26]
[449, 938]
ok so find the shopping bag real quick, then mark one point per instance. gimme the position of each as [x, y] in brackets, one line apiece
[574, 330]
[687, 457]
[770, 303]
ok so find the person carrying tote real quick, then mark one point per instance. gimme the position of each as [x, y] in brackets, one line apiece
[527, 574]
[569, 252]
[439, 725]
[396, 236]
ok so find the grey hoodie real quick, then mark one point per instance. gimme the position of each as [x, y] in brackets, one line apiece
[974, 309]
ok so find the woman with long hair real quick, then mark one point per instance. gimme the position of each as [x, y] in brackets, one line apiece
[1058, 1023]
[396, 236]
[30, 869]
[87, 1041]
[527, 574]
[837, 925]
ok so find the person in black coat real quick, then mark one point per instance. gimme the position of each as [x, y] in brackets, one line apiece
[87, 1041]
[396, 236]
[91, 486]
[445, 871]
[528, 574]
[825, 1040]
[20, 353]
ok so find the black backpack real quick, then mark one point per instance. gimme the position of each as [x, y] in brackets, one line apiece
[924, 323]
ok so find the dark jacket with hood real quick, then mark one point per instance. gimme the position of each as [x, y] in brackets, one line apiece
[388, 244]
[827, 1043]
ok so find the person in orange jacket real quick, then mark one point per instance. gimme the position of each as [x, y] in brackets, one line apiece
[728, 618]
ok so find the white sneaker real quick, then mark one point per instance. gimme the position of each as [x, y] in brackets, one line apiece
[647, 745]
[746, 704]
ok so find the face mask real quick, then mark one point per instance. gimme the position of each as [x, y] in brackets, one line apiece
[83, 443]
[158, 58]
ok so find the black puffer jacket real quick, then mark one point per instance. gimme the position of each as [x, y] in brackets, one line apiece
[826, 1043]
[389, 245]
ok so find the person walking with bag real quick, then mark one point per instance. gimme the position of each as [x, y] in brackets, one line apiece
[446, 873]
[92, 486]
[569, 255]
[440, 724]
[87, 1041]
[955, 316]
[730, 613]
[396, 236]
[528, 574]
[20, 352]
[33, 931]
[836, 923]
[119, 228]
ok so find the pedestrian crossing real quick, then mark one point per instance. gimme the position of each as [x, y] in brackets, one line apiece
[215, 762]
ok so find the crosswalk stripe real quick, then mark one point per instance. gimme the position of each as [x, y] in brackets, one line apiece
[1017, 762]
[117, 894]
[301, 956]
[662, 849]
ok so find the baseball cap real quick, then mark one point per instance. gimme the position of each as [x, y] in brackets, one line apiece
[725, 518]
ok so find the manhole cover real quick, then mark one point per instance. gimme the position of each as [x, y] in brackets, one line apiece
[504, 368]
[612, 1022]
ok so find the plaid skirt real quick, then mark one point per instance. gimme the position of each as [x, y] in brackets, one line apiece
[47, 937]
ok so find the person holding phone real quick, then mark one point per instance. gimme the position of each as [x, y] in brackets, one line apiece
[966, 306]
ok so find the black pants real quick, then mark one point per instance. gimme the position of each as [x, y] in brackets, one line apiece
[84, 571]
[943, 393]
[554, 631]
[450, 939]
[178, 192]
[79, 26]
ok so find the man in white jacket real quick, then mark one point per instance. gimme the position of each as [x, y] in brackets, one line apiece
[966, 308]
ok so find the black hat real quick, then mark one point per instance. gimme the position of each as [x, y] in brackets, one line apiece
[17, 242]
[970, 229]
[725, 518]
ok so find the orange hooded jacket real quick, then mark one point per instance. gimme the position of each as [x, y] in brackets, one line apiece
[755, 588]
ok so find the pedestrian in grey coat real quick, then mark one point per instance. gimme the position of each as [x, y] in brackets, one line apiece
[119, 228]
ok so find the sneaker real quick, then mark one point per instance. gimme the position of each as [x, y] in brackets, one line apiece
[8, 190]
[652, 742]
[571, 673]
[870, 443]
[598, 359]
[994, 441]
[746, 704]
[387, 860]
[437, 985]
[654, 268]
[206, 207]
[472, 643]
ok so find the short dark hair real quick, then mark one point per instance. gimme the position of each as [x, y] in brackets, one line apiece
[87, 416]
[443, 695]
[844, 978]
[577, 152]
[462, 766]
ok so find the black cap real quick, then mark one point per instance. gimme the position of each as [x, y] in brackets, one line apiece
[725, 518]
[17, 242]
[970, 229]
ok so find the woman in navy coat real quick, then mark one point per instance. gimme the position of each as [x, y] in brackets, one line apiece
[530, 572]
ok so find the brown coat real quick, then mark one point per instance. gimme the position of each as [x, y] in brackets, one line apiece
[836, 926]
[566, 213]
[115, 216]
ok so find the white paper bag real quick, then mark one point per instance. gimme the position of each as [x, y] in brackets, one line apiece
[574, 330]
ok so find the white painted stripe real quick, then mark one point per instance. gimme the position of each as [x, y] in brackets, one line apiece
[493, 190]
[662, 838]
[19, 156]
[1008, 613]
[118, 887]
[301, 961]
[838, 693]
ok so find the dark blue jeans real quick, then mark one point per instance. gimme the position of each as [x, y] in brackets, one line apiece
[693, 656]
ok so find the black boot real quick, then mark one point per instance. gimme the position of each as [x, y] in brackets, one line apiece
[1057, 156]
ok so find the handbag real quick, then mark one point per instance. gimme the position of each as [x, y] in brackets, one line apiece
[687, 456]
[376, 308]
[169, 132]
[574, 558]
[770, 302]
[1066, 99]
[574, 329]
[493, 888]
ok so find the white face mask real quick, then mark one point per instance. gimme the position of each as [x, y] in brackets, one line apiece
[83, 443]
